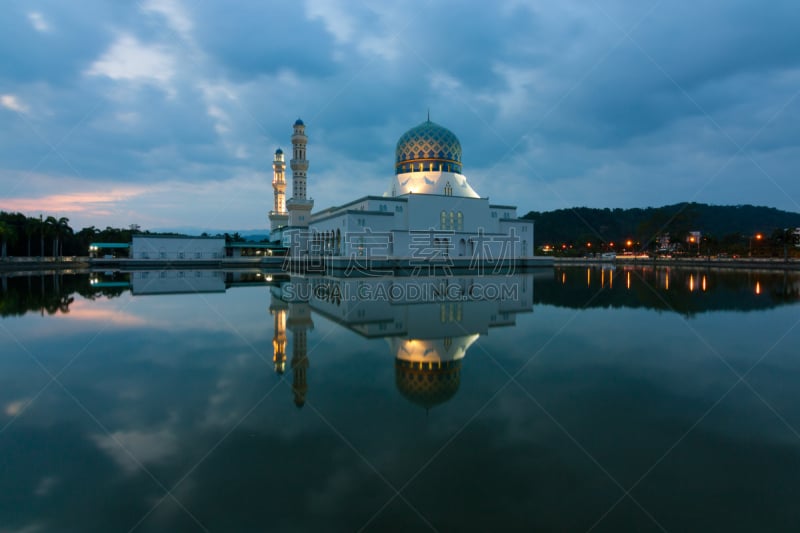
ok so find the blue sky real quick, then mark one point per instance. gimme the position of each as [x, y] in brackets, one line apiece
[166, 113]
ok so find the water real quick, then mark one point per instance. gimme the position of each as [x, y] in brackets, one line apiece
[562, 400]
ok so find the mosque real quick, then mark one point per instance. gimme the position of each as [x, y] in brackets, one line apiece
[428, 208]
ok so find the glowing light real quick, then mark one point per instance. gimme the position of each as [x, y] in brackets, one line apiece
[758, 287]
[666, 281]
[602, 278]
[629, 280]
[588, 277]
[704, 284]
[759, 236]
[563, 278]
[610, 279]
[628, 242]
[691, 283]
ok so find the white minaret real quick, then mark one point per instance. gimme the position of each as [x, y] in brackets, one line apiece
[298, 205]
[278, 217]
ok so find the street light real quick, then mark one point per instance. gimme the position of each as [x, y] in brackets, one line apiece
[758, 237]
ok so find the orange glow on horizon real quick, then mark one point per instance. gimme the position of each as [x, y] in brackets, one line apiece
[101, 203]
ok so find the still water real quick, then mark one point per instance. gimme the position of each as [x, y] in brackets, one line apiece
[567, 399]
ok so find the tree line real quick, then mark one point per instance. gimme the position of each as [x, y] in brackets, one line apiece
[24, 236]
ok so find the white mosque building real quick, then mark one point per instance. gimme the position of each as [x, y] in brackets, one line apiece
[429, 208]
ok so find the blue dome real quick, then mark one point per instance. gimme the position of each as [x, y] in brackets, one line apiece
[298, 122]
[428, 146]
[278, 151]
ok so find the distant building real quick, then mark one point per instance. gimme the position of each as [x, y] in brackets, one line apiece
[177, 248]
[664, 243]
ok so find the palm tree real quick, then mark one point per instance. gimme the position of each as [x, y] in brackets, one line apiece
[61, 228]
[50, 227]
[30, 229]
[7, 234]
[39, 227]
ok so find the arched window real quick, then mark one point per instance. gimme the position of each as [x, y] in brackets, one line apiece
[460, 221]
[452, 220]
[443, 220]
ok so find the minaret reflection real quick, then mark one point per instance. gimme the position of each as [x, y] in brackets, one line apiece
[299, 324]
[294, 315]
[429, 323]
[279, 309]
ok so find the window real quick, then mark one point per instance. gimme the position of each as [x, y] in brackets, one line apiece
[460, 221]
[448, 189]
[494, 214]
[398, 208]
[452, 219]
[443, 220]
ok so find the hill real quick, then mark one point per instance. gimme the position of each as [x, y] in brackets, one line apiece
[582, 225]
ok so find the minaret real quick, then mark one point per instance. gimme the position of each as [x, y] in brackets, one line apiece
[278, 217]
[299, 206]
[299, 162]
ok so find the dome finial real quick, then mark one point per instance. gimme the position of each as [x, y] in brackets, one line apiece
[429, 114]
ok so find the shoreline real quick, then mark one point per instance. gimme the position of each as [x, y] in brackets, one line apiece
[338, 263]
[774, 263]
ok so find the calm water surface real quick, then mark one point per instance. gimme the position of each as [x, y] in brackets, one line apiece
[570, 399]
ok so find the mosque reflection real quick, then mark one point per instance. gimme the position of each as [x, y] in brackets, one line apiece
[429, 323]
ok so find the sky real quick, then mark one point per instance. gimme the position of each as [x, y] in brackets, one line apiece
[166, 114]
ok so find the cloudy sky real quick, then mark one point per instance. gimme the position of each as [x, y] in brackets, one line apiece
[166, 113]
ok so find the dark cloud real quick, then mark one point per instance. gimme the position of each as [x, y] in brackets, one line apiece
[555, 99]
